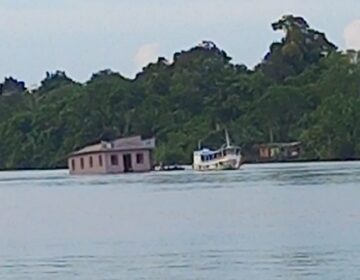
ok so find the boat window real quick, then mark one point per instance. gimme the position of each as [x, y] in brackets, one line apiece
[82, 163]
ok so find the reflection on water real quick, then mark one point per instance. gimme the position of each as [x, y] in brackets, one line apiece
[190, 265]
[272, 221]
[250, 175]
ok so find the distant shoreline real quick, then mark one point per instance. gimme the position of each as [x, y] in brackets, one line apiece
[302, 161]
[189, 165]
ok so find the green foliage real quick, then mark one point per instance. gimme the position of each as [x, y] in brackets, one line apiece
[12, 87]
[303, 90]
[300, 48]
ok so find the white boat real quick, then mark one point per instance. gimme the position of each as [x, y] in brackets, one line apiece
[228, 157]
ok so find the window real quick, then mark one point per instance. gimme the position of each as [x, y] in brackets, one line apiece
[114, 160]
[82, 163]
[100, 160]
[73, 164]
[140, 158]
[91, 162]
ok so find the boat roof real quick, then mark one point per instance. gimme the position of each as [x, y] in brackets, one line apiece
[206, 151]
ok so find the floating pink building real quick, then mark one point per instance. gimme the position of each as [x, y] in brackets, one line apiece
[132, 154]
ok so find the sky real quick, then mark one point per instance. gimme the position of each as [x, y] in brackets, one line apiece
[82, 37]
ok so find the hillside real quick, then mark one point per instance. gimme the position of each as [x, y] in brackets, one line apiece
[304, 89]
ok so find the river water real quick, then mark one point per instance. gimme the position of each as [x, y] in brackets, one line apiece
[270, 221]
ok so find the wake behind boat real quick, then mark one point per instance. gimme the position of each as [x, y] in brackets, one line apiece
[228, 157]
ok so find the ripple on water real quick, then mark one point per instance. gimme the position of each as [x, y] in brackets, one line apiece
[269, 221]
[306, 262]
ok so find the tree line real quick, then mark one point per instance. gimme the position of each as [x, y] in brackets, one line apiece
[304, 89]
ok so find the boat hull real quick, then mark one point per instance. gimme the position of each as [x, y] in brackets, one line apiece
[226, 163]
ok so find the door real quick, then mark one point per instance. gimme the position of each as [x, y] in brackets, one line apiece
[127, 163]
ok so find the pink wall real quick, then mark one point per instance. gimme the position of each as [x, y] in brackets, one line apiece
[137, 167]
[107, 165]
[96, 167]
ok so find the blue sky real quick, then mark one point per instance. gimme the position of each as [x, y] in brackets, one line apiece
[84, 36]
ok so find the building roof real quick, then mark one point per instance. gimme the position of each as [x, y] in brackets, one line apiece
[120, 144]
[276, 145]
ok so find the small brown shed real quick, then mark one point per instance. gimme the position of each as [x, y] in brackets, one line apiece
[279, 151]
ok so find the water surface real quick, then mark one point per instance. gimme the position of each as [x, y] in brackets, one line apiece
[271, 221]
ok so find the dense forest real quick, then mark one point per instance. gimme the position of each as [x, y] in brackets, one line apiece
[304, 89]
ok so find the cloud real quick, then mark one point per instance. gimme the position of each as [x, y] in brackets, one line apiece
[146, 53]
[352, 35]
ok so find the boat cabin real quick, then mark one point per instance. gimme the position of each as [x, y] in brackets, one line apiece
[208, 155]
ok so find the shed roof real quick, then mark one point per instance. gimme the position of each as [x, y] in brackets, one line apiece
[120, 144]
[279, 145]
